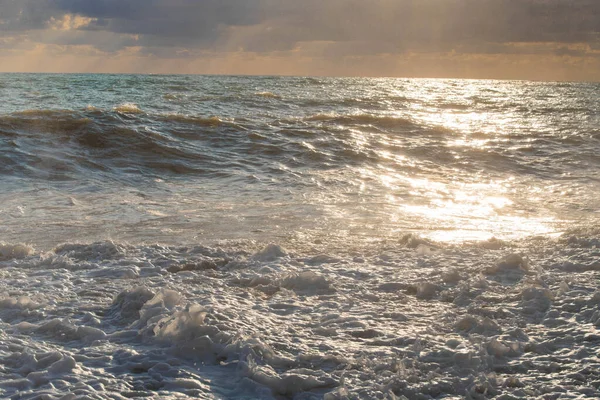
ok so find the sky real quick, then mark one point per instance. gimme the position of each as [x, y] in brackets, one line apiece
[502, 39]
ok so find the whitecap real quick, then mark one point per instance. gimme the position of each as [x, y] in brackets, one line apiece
[128, 108]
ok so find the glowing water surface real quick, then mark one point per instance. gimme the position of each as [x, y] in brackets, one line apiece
[185, 158]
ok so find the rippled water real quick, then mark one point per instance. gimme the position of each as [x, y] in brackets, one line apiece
[279, 237]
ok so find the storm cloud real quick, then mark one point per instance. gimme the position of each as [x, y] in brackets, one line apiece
[324, 29]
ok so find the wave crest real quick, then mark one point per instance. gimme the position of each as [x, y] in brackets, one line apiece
[128, 108]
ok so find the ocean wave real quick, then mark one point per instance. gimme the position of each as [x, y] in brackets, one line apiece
[171, 96]
[36, 121]
[452, 106]
[362, 119]
[69, 142]
[178, 88]
[193, 120]
[93, 138]
[351, 157]
[374, 104]
[268, 95]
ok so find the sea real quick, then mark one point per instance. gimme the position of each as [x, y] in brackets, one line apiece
[266, 237]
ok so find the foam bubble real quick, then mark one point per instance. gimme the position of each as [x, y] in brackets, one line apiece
[64, 330]
[64, 365]
[270, 253]
[473, 324]
[127, 304]
[307, 281]
[21, 303]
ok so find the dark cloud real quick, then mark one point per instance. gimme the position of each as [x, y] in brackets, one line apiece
[168, 21]
[365, 27]
[23, 15]
[120, 9]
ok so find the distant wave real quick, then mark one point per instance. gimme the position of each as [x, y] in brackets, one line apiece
[381, 124]
[178, 88]
[201, 121]
[361, 119]
[171, 96]
[268, 95]
[50, 121]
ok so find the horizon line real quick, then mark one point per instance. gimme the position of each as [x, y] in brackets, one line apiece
[297, 76]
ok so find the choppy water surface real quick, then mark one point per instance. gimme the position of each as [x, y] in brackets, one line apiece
[271, 237]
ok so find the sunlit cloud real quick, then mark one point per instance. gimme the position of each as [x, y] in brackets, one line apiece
[69, 22]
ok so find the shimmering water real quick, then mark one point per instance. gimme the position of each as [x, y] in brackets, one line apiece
[280, 237]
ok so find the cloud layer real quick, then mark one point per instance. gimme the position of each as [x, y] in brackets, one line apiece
[377, 37]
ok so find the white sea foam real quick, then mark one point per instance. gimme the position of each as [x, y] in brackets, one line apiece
[269, 323]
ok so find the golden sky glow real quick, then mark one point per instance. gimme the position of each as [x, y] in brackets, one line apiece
[506, 39]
